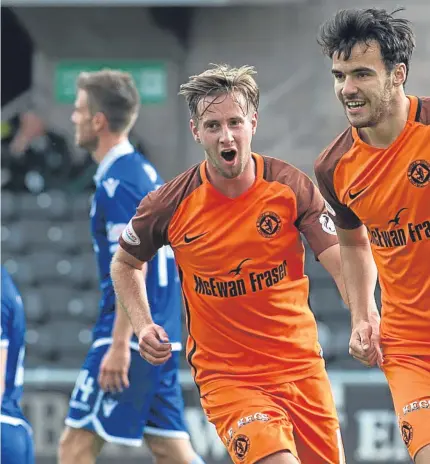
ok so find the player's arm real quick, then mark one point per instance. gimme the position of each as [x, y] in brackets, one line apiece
[130, 290]
[117, 206]
[330, 260]
[360, 276]
[358, 269]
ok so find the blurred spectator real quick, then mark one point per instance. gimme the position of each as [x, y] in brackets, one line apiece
[36, 159]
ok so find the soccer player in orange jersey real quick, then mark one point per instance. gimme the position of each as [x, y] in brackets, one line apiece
[234, 222]
[375, 178]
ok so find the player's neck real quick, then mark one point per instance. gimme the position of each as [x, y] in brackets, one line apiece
[233, 188]
[106, 143]
[386, 132]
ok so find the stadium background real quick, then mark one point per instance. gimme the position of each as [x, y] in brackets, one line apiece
[46, 182]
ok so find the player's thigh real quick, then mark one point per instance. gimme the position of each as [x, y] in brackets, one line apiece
[423, 455]
[16, 445]
[409, 379]
[316, 425]
[250, 423]
[116, 417]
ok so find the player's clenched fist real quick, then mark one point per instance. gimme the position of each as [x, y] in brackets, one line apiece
[154, 344]
[364, 344]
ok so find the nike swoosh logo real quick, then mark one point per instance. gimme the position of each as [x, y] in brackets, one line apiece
[191, 239]
[355, 195]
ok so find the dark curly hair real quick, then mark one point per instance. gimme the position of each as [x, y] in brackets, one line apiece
[349, 27]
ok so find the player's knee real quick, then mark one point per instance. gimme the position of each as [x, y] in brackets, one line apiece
[172, 451]
[77, 445]
[423, 455]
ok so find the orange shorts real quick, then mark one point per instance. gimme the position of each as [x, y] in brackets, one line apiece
[409, 381]
[254, 422]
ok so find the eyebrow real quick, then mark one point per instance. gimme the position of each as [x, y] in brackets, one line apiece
[354, 71]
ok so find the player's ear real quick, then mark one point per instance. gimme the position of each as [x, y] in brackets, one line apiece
[194, 130]
[99, 121]
[399, 74]
[254, 122]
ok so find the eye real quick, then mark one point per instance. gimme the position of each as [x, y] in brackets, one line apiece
[362, 74]
[338, 76]
[212, 125]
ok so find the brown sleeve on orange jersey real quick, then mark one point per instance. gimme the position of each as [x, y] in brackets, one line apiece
[147, 230]
[424, 110]
[325, 167]
[312, 219]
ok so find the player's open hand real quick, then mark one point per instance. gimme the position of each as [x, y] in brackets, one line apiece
[154, 345]
[365, 345]
[113, 375]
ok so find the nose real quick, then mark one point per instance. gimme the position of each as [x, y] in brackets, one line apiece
[349, 88]
[226, 136]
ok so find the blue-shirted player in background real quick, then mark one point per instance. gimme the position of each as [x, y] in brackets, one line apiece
[118, 396]
[16, 433]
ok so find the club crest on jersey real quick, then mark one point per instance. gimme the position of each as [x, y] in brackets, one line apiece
[269, 224]
[129, 235]
[407, 433]
[419, 173]
[327, 224]
[241, 446]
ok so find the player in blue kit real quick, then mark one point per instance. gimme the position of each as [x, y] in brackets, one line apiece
[16, 433]
[118, 396]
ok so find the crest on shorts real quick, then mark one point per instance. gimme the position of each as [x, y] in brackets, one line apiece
[269, 224]
[419, 173]
[241, 446]
[407, 433]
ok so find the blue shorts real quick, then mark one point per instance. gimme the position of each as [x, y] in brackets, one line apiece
[153, 403]
[16, 441]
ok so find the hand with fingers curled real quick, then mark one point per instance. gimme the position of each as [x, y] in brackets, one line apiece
[113, 375]
[365, 344]
[154, 344]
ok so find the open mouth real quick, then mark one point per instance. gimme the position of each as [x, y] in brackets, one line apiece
[228, 155]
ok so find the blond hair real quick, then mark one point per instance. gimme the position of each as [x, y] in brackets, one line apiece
[113, 93]
[221, 79]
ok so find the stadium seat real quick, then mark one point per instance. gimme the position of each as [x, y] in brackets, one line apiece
[12, 239]
[49, 205]
[80, 206]
[313, 268]
[21, 271]
[64, 303]
[73, 338]
[34, 305]
[83, 271]
[9, 206]
[325, 300]
[48, 267]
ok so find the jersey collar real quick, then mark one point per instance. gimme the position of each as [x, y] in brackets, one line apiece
[123, 148]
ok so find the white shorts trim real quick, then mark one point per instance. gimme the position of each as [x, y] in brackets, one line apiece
[98, 427]
[16, 421]
[176, 346]
[165, 433]
[4, 343]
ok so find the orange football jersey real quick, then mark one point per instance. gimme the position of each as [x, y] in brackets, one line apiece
[241, 264]
[388, 190]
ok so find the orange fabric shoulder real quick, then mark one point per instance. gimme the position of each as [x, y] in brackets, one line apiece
[147, 230]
